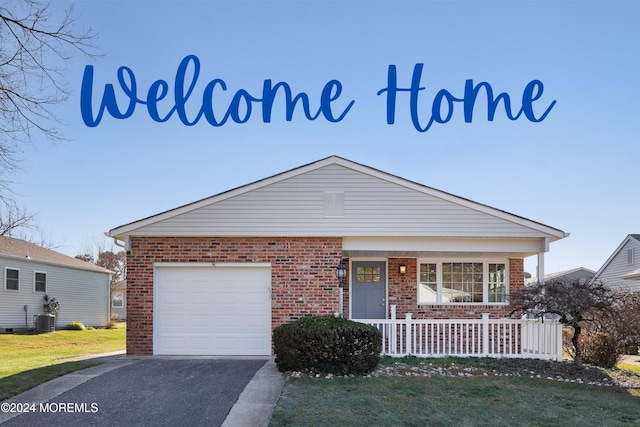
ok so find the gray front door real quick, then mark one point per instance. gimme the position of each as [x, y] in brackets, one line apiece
[369, 289]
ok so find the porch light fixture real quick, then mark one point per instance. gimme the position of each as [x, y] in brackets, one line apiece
[403, 269]
[341, 273]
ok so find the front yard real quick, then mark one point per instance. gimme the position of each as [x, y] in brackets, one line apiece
[408, 391]
[463, 392]
[27, 360]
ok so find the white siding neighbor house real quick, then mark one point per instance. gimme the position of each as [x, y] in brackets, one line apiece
[119, 301]
[579, 273]
[29, 272]
[214, 277]
[622, 270]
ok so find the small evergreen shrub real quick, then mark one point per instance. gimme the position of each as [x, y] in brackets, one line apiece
[51, 305]
[76, 326]
[327, 344]
[600, 349]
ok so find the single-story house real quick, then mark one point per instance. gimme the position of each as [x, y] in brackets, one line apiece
[29, 272]
[579, 273]
[621, 271]
[214, 277]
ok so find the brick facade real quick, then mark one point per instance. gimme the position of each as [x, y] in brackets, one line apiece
[303, 279]
[302, 269]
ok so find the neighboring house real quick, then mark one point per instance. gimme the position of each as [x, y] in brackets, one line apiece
[634, 275]
[622, 270]
[29, 272]
[573, 274]
[214, 277]
[119, 301]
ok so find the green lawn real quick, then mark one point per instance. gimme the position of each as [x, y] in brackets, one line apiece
[629, 367]
[464, 392]
[27, 360]
[446, 401]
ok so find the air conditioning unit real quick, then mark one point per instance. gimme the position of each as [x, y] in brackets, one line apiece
[45, 322]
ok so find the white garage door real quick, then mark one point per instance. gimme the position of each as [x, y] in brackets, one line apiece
[212, 310]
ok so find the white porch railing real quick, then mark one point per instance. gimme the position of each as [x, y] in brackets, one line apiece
[520, 338]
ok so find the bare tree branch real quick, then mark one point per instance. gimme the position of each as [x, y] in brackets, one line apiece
[16, 221]
[36, 41]
[575, 302]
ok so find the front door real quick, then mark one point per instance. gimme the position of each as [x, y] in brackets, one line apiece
[369, 289]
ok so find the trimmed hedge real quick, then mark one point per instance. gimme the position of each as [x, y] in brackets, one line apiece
[327, 344]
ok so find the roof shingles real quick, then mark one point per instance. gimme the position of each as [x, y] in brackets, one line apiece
[12, 247]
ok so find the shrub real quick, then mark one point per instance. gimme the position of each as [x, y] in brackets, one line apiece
[327, 344]
[111, 324]
[600, 349]
[51, 305]
[76, 326]
[624, 326]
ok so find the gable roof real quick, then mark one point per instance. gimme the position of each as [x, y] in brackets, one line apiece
[21, 249]
[630, 238]
[170, 218]
[585, 272]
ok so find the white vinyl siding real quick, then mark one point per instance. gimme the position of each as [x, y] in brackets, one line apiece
[371, 206]
[83, 295]
[619, 265]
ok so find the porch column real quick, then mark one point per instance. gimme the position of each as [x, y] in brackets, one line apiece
[540, 266]
[541, 259]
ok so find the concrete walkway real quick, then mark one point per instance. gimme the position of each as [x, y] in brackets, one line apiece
[254, 406]
[258, 399]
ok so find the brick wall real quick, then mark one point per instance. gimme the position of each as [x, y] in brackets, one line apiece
[303, 278]
[403, 293]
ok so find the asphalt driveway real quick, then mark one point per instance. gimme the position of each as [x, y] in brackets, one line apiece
[148, 392]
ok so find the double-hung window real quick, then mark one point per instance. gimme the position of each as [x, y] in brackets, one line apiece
[467, 282]
[12, 279]
[40, 281]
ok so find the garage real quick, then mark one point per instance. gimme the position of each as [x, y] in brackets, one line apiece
[207, 309]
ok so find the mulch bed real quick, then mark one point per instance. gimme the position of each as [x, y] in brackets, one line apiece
[533, 368]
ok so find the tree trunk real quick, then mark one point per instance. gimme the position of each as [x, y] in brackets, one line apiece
[575, 340]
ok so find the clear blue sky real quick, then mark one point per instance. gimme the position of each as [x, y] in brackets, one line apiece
[577, 170]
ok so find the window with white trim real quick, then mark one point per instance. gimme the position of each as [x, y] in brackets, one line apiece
[12, 279]
[467, 282]
[39, 281]
[630, 256]
[117, 301]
